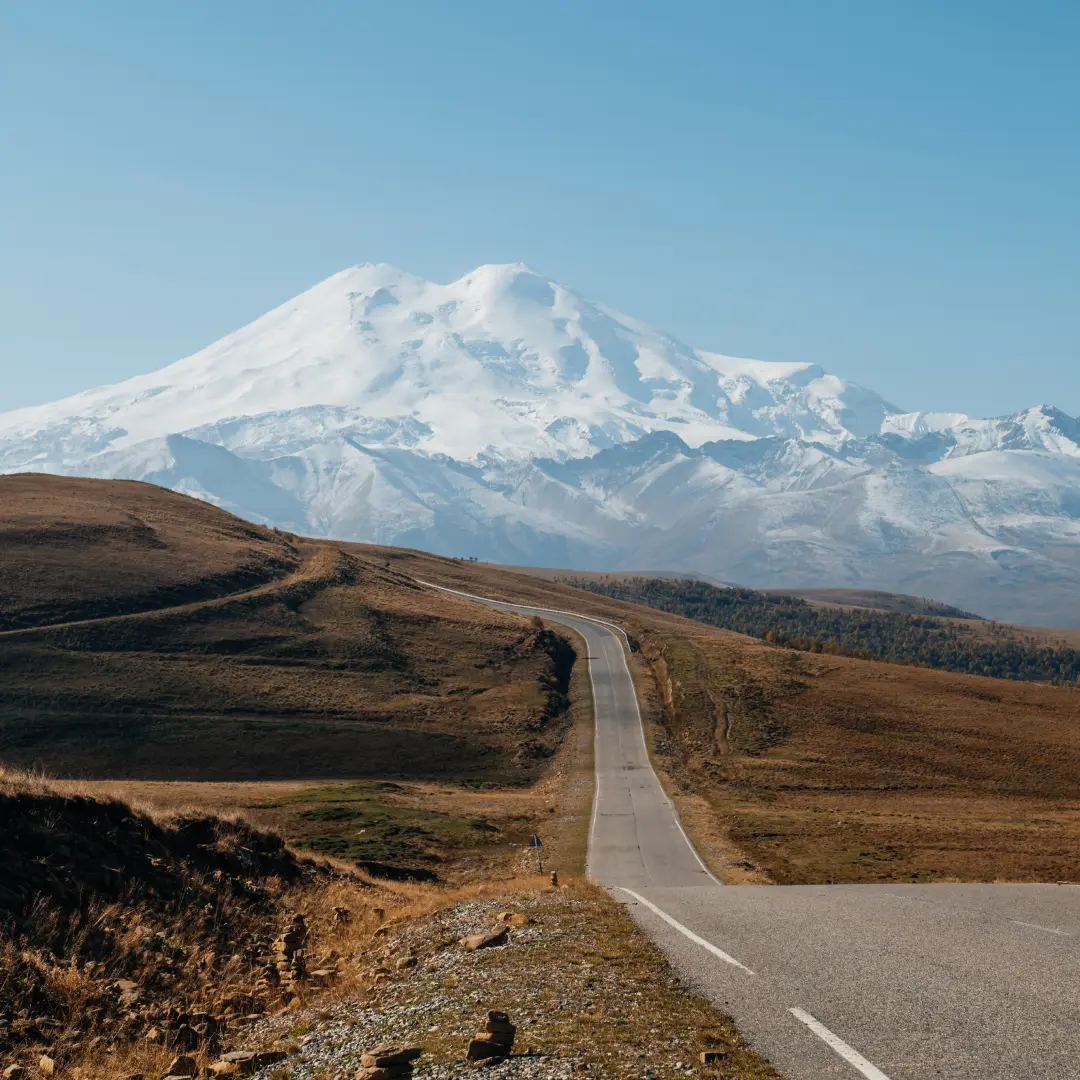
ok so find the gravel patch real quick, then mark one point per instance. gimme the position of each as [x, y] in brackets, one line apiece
[588, 993]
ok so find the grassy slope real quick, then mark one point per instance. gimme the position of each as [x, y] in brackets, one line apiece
[75, 548]
[816, 768]
[184, 910]
[173, 641]
[835, 769]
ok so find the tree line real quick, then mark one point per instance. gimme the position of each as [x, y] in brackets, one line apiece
[921, 640]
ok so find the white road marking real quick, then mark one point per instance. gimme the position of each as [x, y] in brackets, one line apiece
[637, 710]
[987, 914]
[1044, 929]
[590, 845]
[686, 932]
[850, 1055]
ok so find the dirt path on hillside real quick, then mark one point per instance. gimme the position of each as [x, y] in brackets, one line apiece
[318, 569]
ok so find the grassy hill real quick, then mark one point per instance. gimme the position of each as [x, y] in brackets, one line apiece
[326, 662]
[78, 549]
[149, 635]
[960, 643]
[800, 767]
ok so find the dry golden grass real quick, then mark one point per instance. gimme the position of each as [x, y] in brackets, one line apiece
[848, 770]
[76, 548]
[557, 807]
[163, 639]
[351, 947]
[353, 671]
[796, 768]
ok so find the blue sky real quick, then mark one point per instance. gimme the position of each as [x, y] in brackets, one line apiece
[887, 189]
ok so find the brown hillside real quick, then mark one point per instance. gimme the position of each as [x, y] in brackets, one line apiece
[788, 766]
[835, 769]
[74, 548]
[173, 641]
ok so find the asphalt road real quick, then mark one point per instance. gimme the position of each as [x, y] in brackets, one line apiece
[887, 982]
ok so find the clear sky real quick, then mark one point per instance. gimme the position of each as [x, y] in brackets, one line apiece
[889, 189]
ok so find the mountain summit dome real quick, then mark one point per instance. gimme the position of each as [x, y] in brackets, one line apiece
[507, 416]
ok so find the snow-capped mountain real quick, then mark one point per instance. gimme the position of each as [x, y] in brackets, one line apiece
[506, 416]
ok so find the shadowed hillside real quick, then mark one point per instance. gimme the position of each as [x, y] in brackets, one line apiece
[149, 635]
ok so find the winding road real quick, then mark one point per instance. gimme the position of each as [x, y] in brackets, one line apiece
[886, 982]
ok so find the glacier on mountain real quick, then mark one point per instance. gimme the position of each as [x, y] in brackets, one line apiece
[507, 417]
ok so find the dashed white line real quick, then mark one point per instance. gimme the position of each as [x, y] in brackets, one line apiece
[1044, 929]
[848, 1053]
[708, 945]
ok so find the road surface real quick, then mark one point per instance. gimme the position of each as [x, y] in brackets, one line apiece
[886, 982]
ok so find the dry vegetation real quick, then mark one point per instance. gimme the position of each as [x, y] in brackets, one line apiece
[128, 937]
[116, 925]
[405, 830]
[798, 769]
[206, 686]
[333, 664]
[336, 666]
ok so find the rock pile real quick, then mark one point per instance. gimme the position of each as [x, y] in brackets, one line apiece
[512, 918]
[495, 1042]
[388, 1062]
[245, 1062]
[489, 939]
[289, 961]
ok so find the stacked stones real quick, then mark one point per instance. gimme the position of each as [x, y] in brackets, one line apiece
[289, 952]
[388, 1062]
[495, 1042]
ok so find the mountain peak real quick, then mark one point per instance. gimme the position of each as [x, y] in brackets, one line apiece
[507, 415]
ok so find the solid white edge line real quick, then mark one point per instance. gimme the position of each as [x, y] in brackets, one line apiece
[671, 806]
[590, 846]
[531, 607]
[1044, 929]
[637, 709]
[686, 932]
[834, 1042]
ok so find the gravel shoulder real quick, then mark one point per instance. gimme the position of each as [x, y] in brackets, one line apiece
[590, 995]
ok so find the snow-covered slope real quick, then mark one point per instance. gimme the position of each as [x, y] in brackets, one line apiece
[508, 417]
[502, 362]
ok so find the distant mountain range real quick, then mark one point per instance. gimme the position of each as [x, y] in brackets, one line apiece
[507, 417]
